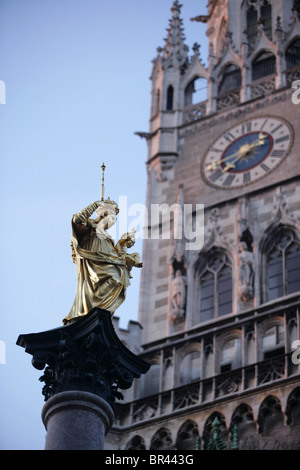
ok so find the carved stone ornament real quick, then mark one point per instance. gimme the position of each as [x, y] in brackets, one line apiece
[84, 355]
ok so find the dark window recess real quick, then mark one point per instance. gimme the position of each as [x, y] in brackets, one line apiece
[293, 268]
[296, 7]
[225, 368]
[266, 15]
[215, 287]
[225, 291]
[231, 79]
[292, 55]
[274, 353]
[263, 65]
[275, 276]
[283, 267]
[170, 95]
[251, 25]
[207, 297]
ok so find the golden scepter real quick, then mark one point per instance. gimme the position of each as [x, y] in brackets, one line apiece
[102, 186]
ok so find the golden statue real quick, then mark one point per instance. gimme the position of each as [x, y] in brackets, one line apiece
[102, 267]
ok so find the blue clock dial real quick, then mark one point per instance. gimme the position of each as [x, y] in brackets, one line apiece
[247, 152]
[255, 155]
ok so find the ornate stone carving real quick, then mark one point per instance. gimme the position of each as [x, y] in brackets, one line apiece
[228, 100]
[85, 355]
[194, 112]
[262, 87]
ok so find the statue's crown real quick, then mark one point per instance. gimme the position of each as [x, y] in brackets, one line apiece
[107, 205]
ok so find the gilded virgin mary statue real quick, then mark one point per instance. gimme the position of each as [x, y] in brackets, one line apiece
[102, 267]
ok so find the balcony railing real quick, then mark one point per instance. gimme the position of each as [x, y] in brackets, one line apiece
[194, 112]
[292, 74]
[250, 377]
[263, 86]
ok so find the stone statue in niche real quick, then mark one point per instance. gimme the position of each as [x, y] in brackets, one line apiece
[246, 272]
[178, 297]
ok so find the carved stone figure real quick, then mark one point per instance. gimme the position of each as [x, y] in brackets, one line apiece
[178, 297]
[246, 273]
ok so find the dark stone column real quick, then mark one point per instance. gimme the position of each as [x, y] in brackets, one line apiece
[85, 364]
[76, 420]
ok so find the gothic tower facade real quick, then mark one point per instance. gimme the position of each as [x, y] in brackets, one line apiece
[220, 311]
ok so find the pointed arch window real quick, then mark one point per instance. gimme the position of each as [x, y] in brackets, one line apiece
[251, 25]
[230, 80]
[259, 13]
[292, 54]
[215, 287]
[263, 65]
[283, 266]
[266, 16]
[195, 91]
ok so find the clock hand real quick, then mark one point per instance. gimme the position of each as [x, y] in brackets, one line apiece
[243, 150]
[213, 165]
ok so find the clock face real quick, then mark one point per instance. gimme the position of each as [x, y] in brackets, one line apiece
[247, 152]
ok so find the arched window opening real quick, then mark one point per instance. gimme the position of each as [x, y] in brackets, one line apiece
[170, 97]
[215, 287]
[283, 266]
[207, 432]
[244, 420]
[259, 13]
[251, 25]
[162, 440]
[195, 92]
[263, 65]
[136, 443]
[293, 407]
[270, 414]
[231, 355]
[292, 54]
[187, 436]
[273, 342]
[230, 80]
[266, 16]
[189, 369]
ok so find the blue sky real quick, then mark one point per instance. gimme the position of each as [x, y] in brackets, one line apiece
[77, 88]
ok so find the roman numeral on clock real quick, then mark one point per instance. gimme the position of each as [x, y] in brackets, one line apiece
[278, 153]
[282, 139]
[277, 128]
[216, 175]
[247, 127]
[247, 177]
[265, 167]
[229, 137]
[229, 180]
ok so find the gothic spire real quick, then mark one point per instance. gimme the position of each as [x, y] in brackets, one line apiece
[175, 49]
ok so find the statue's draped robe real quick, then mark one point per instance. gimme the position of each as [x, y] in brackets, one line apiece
[102, 275]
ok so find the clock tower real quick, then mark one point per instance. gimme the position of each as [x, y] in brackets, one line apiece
[221, 321]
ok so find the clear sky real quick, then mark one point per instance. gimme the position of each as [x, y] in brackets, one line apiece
[77, 88]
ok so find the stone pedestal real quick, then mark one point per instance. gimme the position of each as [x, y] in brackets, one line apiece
[85, 364]
[76, 420]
